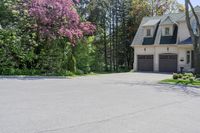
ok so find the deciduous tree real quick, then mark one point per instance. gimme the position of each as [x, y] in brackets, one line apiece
[55, 18]
[194, 33]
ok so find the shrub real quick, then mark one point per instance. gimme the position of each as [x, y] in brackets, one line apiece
[184, 78]
[175, 76]
[188, 75]
[86, 69]
[68, 73]
[79, 72]
[72, 63]
[191, 79]
[16, 71]
[180, 75]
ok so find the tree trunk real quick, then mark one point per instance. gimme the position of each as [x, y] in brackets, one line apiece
[72, 60]
[197, 61]
[197, 56]
[110, 39]
[194, 36]
[105, 46]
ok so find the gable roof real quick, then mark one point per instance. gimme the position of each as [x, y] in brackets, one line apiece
[167, 21]
[152, 22]
[172, 18]
[138, 39]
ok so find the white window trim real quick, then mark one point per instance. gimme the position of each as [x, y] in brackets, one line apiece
[168, 31]
[148, 29]
[171, 28]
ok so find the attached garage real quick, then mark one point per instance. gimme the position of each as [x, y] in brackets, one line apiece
[145, 63]
[168, 62]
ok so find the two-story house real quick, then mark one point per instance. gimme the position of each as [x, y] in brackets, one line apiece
[163, 43]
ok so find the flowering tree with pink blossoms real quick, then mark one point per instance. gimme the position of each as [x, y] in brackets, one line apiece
[58, 18]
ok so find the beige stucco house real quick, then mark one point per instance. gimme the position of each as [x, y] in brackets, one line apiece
[163, 44]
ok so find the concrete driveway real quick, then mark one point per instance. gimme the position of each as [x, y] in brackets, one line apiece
[113, 103]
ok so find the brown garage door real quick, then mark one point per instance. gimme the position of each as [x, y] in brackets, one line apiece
[168, 63]
[145, 62]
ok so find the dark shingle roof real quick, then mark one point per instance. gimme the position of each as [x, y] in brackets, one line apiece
[138, 39]
[187, 41]
[151, 41]
[152, 22]
[169, 39]
[173, 17]
[168, 20]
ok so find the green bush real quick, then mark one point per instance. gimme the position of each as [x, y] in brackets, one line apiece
[175, 76]
[69, 73]
[198, 76]
[189, 75]
[184, 78]
[79, 72]
[72, 63]
[180, 75]
[13, 71]
[87, 70]
[191, 79]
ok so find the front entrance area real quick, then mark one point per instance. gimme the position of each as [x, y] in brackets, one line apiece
[145, 63]
[168, 62]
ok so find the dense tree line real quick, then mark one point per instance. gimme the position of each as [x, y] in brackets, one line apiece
[118, 21]
[31, 44]
[44, 37]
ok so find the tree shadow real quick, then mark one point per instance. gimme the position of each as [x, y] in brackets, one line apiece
[193, 91]
[32, 77]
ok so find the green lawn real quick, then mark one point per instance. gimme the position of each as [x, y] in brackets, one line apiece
[182, 82]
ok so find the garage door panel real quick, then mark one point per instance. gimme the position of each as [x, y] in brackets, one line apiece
[168, 63]
[145, 62]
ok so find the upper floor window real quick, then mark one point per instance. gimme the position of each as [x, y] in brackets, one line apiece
[148, 32]
[167, 30]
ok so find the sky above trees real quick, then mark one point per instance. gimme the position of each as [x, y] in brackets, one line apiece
[194, 2]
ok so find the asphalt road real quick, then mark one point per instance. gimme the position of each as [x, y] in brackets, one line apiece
[112, 103]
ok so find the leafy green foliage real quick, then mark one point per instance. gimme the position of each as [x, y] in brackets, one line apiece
[16, 51]
[84, 55]
[24, 51]
[185, 79]
[184, 76]
[182, 82]
[175, 76]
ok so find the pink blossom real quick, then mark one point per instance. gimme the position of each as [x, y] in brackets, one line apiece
[59, 18]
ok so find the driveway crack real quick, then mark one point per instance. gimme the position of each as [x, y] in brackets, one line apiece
[116, 117]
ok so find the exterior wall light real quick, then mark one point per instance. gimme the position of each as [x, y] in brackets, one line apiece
[182, 59]
[167, 49]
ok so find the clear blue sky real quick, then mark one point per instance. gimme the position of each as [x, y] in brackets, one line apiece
[194, 2]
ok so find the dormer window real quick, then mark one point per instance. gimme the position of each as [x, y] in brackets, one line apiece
[148, 32]
[167, 31]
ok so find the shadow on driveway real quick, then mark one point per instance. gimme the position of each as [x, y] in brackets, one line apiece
[32, 77]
